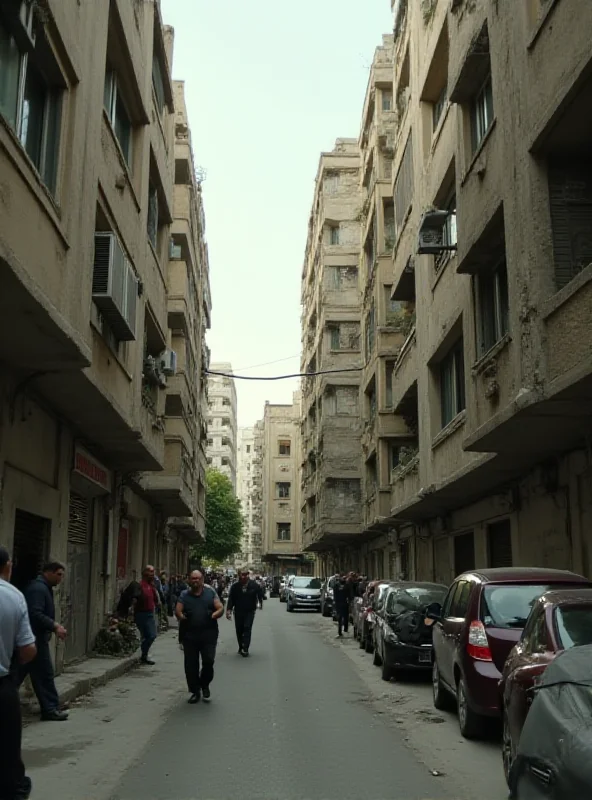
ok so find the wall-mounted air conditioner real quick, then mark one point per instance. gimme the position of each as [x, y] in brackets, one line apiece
[168, 362]
[431, 238]
[115, 286]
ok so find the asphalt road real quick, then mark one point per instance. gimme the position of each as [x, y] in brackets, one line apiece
[306, 717]
[285, 724]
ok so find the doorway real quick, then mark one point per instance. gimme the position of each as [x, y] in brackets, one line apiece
[30, 547]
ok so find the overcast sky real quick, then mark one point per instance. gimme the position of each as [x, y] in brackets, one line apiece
[269, 86]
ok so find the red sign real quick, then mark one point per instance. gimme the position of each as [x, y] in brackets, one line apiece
[89, 468]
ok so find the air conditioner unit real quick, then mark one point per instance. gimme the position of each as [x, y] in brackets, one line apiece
[115, 286]
[168, 362]
[431, 233]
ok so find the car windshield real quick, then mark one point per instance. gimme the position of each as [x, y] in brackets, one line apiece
[574, 625]
[508, 605]
[307, 583]
[418, 597]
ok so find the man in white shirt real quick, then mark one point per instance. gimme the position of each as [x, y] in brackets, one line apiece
[16, 641]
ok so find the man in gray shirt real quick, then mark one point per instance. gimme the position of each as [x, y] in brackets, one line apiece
[16, 640]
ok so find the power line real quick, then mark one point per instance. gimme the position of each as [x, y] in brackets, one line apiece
[266, 363]
[283, 377]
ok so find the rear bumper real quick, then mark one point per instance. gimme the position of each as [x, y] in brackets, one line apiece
[482, 679]
[408, 656]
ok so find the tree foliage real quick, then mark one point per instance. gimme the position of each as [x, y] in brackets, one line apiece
[224, 520]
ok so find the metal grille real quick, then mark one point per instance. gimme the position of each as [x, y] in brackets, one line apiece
[78, 519]
[499, 543]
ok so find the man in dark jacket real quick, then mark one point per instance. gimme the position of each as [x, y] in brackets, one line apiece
[243, 597]
[342, 597]
[39, 597]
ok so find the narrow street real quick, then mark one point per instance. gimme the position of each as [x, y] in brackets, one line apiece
[305, 717]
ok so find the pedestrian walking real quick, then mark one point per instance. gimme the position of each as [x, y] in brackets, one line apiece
[243, 598]
[342, 597]
[146, 604]
[16, 641]
[198, 611]
[40, 602]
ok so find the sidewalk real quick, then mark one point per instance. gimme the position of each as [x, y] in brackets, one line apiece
[80, 679]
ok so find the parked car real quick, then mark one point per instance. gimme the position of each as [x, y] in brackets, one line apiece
[559, 620]
[481, 620]
[363, 610]
[402, 639]
[327, 605]
[304, 592]
[376, 601]
[284, 588]
[554, 758]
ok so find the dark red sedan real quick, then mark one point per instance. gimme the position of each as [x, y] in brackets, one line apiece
[559, 620]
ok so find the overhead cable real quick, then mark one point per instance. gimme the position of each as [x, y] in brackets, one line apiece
[283, 377]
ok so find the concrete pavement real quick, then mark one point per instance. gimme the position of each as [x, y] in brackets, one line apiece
[299, 719]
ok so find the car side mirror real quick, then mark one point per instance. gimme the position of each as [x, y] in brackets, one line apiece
[434, 612]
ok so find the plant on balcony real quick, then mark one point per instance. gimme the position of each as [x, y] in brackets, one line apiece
[401, 318]
[224, 520]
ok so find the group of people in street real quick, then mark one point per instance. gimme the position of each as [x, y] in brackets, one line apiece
[347, 587]
[27, 624]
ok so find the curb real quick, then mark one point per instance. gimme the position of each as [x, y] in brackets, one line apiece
[86, 685]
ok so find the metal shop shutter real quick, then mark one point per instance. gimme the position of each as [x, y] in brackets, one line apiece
[78, 519]
[499, 543]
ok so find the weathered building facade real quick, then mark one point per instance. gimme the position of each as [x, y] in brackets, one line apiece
[280, 508]
[331, 340]
[87, 163]
[222, 422]
[251, 507]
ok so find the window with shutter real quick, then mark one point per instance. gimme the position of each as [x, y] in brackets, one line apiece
[464, 552]
[570, 198]
[499, 543]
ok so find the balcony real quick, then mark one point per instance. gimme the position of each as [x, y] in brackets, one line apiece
[406, 369]
[405, 484]
[180, 396]
[181, 307]
[377, 509]
[173, 488]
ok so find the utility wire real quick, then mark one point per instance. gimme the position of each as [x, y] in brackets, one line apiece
[283, 377]
[267, 363]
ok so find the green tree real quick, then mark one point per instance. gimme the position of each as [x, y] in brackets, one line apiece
[224, 520]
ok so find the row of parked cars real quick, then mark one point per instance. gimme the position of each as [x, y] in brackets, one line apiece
[487, 640]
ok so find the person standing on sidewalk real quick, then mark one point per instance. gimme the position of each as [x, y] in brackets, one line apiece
[243, 598]
[198, 611]
[145, 603]
[16, 641]
[342, 597]
[40, 602]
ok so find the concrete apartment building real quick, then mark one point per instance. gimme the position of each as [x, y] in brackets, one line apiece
[385, 322]
[222, 422]
[331, 340]
[257, 492]
[492, 186]
[281, 528]
[251, 548]
[90, 401]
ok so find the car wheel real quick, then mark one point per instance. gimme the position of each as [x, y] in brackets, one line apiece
[470, 723]
[386, 673]
[508, 754]
[442, 700]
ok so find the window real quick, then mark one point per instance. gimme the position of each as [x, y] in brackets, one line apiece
[394, 451]
[493, 306]
[152, 224]
[387, 99]
[481, 113]
[334, 234]
[389, 368]
[570, 200]
[438, 107]
[283, 490]
[158, 82]
[331, 183]
[118, 116]
[284, 447]
[404, 187]
[573, 625]
[335, 338]
[248, 449]
[31, 106]
[284, 531]
[370, 330]
[449, 235]
[452, 384]
[460, 602]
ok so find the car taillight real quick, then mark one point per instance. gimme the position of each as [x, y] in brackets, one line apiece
[478, 645]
